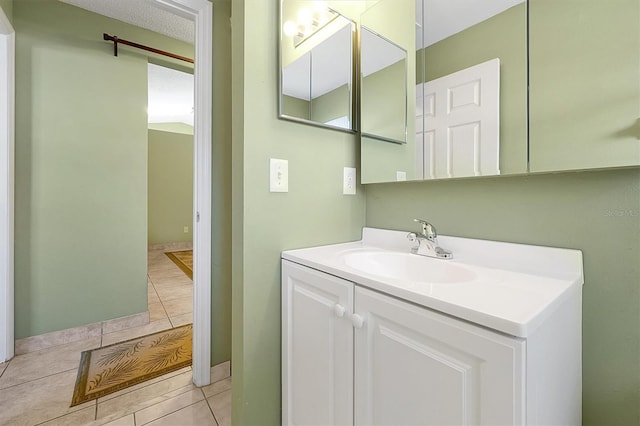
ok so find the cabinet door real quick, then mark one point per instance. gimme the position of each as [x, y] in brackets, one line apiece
[317, 348]
[584, 85]
[417, 367]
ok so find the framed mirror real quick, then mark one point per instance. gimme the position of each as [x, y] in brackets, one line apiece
[383, 88]
[388, 75]
[317, 65]
[468, 107]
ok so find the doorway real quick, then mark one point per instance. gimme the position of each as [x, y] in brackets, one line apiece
[199, 11]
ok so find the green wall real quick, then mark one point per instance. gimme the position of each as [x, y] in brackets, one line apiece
[170, 187]
[7, 7]
[503, 36]
[332, 105]
[313, 212]
[81, 154]
[295, 107]
[221, 177]
[185, 129]
[596, 212]
[585, 87]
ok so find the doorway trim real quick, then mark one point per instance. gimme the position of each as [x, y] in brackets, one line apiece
[201, 13]
[7, 132]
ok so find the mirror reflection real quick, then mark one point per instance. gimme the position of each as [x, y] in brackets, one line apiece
[388, 44]
[383, 88]
[470, 94]
[316, 65]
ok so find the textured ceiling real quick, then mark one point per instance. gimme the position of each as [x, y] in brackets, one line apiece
[142, 14]
[170, 96]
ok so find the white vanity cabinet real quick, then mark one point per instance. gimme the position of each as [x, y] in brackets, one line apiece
[317, 347]
[356, 356]
[417, 367]
[375, 335]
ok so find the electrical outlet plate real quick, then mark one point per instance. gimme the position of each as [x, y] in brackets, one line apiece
[279, 175]
[401, 176]
[349, 181]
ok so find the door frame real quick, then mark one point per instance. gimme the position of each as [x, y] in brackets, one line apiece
[201, 13]
[7, 134]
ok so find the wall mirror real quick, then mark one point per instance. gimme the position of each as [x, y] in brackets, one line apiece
[466, 92]
[316, 65]
[383, 88]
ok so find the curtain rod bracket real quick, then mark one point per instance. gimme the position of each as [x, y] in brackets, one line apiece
[117, 40]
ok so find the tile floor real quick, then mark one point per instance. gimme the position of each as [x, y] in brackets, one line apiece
[36, 388]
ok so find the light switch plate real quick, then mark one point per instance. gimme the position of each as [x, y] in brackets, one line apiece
[349, 181]
[279, 175]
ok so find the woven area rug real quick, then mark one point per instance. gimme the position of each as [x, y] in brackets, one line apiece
[184, 260]
[115, 367]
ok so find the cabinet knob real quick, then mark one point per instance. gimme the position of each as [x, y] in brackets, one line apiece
[358, 321]
[339, 310]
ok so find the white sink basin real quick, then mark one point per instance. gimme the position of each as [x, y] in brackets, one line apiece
[408, 267]
[507, 287]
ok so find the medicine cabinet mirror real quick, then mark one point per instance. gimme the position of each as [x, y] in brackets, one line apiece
[466, 96]
[383, 84]
[317, 65]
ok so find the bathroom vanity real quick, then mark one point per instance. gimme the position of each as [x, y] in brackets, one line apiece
[373, 334]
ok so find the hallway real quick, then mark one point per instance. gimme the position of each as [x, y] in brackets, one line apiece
[36, 388]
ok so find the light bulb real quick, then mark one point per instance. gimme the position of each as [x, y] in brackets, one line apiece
[289, 28]
[305, 18]
[320, 6]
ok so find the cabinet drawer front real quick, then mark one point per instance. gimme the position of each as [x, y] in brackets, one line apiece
[317, 347]
[415, 366]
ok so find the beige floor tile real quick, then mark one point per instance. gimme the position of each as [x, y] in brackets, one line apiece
[175, 307]
[152, 296]
[145, 384]
[3, 366]
[80, 417]
[197, 414]
[172, 281]
[39, 400]
[183, 319]
[217, 387]
[156, 311]
[121, 336]
[164, 270]
[221, 406]
[145, 397]
[122, 421]
[169, 406]
[174, 291]
[46, 362]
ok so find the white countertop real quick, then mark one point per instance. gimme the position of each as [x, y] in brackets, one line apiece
[516, 286]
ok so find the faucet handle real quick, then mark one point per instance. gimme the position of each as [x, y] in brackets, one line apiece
[428, 230]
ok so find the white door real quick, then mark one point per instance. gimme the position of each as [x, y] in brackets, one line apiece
[462, 123]
[416, 367]
[317, 348]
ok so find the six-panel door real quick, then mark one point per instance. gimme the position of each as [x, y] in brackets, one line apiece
[317, 348]
[417, 367]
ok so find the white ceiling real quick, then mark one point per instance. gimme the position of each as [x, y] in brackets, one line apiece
[444, 18]
[170, 96]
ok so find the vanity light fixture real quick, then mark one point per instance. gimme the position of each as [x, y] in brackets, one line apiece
[309, 21]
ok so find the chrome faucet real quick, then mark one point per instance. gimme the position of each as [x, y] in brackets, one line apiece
[427, 241]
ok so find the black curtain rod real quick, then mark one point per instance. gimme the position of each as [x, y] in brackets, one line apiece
[117, 40]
